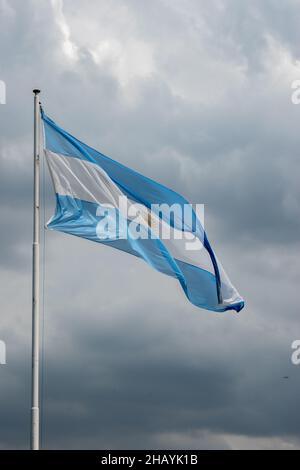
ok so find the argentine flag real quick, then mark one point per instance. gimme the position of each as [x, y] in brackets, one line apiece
[104, 201]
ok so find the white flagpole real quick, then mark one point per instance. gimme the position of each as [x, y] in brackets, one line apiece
[35, 431]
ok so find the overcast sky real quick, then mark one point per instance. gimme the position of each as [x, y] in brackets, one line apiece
[197, 95]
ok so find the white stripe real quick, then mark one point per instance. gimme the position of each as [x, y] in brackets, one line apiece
[87, 181]
[81, 179]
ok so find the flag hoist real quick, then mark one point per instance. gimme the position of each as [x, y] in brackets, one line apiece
[88, 187]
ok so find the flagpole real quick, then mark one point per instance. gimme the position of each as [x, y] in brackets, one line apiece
[35, 431]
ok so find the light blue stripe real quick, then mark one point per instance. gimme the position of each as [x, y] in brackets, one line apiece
[79, 218]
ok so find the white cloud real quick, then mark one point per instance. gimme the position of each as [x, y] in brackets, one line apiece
[69, 47]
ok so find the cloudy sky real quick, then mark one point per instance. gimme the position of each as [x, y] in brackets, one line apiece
[197, 95]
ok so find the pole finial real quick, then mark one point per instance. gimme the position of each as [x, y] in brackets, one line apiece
[36, 91]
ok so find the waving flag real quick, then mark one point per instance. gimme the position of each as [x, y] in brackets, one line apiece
[104, 201]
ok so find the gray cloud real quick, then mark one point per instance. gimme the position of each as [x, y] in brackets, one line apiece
[197, 96]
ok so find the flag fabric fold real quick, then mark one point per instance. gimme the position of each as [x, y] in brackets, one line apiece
[100, 199]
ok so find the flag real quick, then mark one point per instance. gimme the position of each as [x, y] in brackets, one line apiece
[100, 199]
